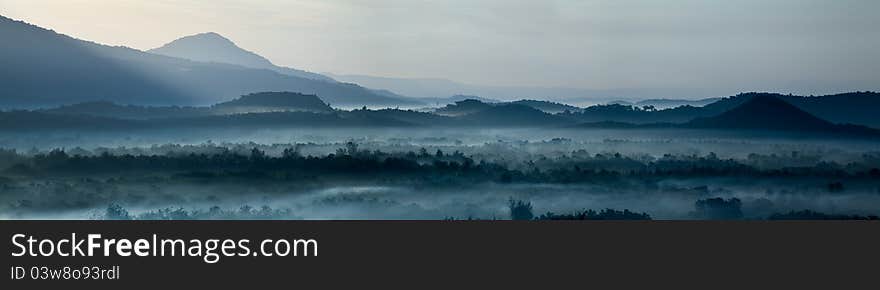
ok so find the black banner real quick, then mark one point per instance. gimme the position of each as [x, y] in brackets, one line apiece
[450, 254]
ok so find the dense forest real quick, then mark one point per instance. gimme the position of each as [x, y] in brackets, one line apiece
[203, 129]
[80, 179]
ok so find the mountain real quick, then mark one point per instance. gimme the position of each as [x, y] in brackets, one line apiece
[42, 68]
[463, 107]
[548, 106]
[212, 47]
[853, 107]
[272, 102]
[766, 112]
[637, 115]
[756, 112]
[760, 112]
[513, 115]
[668, 103]
[470, 106]
[456, 98]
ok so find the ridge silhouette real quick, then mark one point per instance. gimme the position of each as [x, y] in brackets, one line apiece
[42, 68]
[213, 47]
[764, 112]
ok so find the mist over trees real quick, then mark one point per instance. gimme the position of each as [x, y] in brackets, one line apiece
[605, 214]
[718, 209]
[197, 182]
[89, 130]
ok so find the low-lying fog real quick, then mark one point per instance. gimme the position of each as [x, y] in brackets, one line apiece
[537, 140]
[155, 195]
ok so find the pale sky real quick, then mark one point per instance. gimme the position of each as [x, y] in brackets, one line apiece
[800, 46]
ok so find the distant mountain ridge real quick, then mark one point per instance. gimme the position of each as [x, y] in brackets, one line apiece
[456, 98]
[213, 47]
[764, 112]
[463, 107]
[514, 115]
[668, 103]
[759, 112]
[855, 108]
[42, 68]
[548, 106]
[251, 103]
[768, 112]
[470, 105]
[439, 88]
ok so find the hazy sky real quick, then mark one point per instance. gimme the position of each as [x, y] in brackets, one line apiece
[801, 46]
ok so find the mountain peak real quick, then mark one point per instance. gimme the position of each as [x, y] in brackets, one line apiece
[212, 47]
[765, 111]
[212, 37]
[42, 68]
[210, 34]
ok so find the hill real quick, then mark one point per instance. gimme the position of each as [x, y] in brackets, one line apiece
[672, 103]
[513, 115]
[766, 112]
[855, 108]
[43, 68]
[464, 107]
[456, 98]
[469, 106]
[638, 115]
[273, 101]
[283, 109]
[547, 106]
[213, 47]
